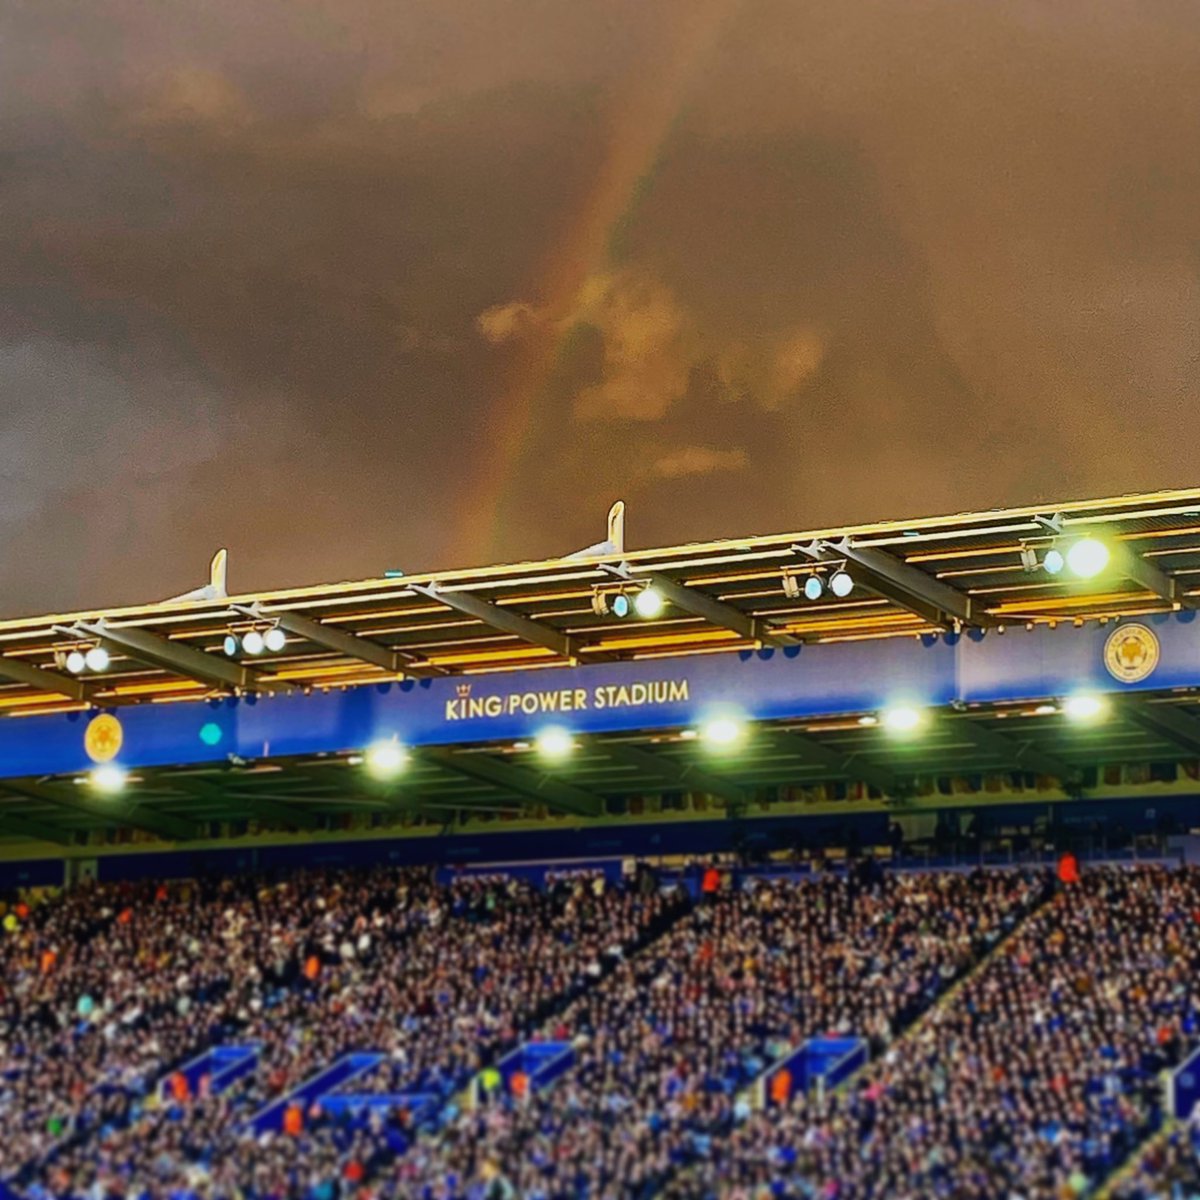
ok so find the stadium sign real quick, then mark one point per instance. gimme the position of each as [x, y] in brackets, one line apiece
[796, 682]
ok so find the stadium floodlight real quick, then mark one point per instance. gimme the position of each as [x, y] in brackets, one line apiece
[96, 659]
[275, 639]
[723, 731]
[77, 662]
[231, 645]
[841, 584]
[1083, 706]
[554, 742]
[901, 718]
[688, 735]
[620, 605]
[1053, 561]
[791, 587]
[1087, 557]
[109, 778]
[814, 588]
[386, 759]
[1045, 710]
[600, 603]
[649, 602]
[254, 642]
[868, 719]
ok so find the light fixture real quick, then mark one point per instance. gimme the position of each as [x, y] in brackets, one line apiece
[840, 584]
[385, 759]
[108, 778]
[599, 603]
[814, 588]
[1087, 557]
[723, 731]
[76, 662]
[901, 718]
[96, 659]
[1083, 706]
[231, 645]
[254, 642]
[620, 605]
[1045, 710]
[791, 587]
[688, 735]
[868, 719]
[275, 639]
[554, 742]
[1053, 562]
[648, 602]
[354, 760]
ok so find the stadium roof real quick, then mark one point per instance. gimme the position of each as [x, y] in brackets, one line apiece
[911, 577]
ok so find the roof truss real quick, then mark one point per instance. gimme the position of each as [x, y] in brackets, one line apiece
[535, 632]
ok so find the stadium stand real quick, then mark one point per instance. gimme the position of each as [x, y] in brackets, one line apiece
[1168, 1169]
[1034, 1080]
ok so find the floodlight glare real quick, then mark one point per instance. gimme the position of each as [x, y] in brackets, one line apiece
[901, 718]
[648, 602]
[231, 645]
[109, 778]
[1053, 562]
[722, 731]
[76, 662]
[96, 659]
[868, 719]
[841, 585]
[253, 642]
[385, 759]
[813, 588]
[274, 639]
[555, 742]
[620, 605]
[1083, 707]
[1087, 557]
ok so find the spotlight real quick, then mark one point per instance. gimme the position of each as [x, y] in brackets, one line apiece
[275, 639]
[648, 602]
[814, 589]
[109, 778]
[1053, 561]
[599, 604]
[688, 735]
[554, 742]
[231, 645]
[841, 585]
[76, 662]
[253, 642]
[722, 731]
[1087, 557]
[791, 587]
[1083, 706]
[1045, 710]
[901, 718]
[385, 759]
[620, 605]
[867, 719]
[96, 659]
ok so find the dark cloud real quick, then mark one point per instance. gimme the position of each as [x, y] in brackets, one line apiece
[303, 278]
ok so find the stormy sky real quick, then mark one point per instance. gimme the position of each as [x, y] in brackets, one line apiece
[365, 284]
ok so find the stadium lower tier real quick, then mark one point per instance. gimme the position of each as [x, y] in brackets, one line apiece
[376, 1034]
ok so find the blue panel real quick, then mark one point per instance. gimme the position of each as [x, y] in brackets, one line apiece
[1185, 1087]
[796, 682]
[346, 1068]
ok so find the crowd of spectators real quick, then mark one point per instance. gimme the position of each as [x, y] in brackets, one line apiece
[664, 1045]
[437, 979]
[1031, 1083]
[1169, 1169]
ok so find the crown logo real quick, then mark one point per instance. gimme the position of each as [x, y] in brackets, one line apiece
[464, 690]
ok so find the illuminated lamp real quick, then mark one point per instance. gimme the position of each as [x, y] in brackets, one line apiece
[901, 718]
[1087, 557]
[385, 759]
[231, 645]
[554, 742]
[96, 659]
[620, 605]
[254, 642]
[109, 778]
[648, 602]
[1053, 562]
[76, 662]
[1083, 706]
[275, 639]
[841, 584]
[723, 731]
[814, 588]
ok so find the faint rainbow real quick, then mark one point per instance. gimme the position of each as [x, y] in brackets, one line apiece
[639, 127]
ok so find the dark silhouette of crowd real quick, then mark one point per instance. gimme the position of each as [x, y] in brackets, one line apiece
[1029, 1080]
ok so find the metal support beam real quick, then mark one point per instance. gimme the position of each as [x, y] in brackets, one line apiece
[1168, 721]
[108, 811]
[349, 645]
[853, 766]
[701, 604]
[503, 619]
[180, 659]
[43, 679]
[262, 806]
[890, 577]
[19, 826]
[552, 792]
[675, 773]
[1022, 755]
[1149, 576]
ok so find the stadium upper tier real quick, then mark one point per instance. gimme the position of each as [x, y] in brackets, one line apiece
[974, 570]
